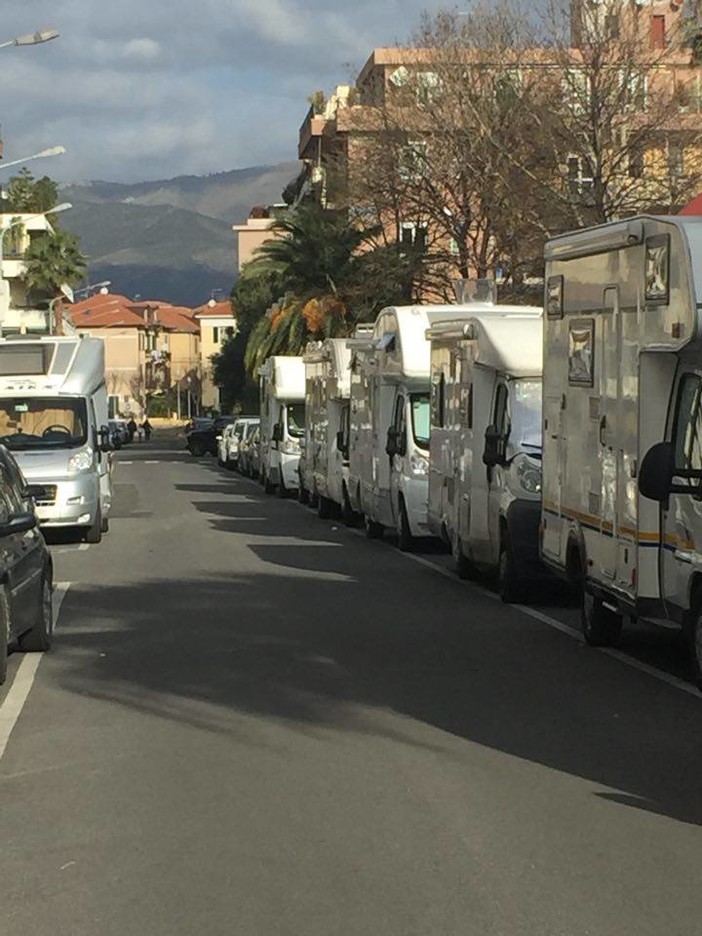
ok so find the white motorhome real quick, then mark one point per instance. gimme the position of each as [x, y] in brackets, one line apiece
[324, 467]
[485, 448]
[282, 392]
[622, 463]
[54, 420]
[389, 434]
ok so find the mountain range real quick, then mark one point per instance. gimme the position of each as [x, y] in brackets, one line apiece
[172, 239]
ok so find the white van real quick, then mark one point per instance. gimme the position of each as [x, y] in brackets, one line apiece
[324, 468]
[54, 420]
[485, 449]
[282, 392]
[622, 465]
[389, 433]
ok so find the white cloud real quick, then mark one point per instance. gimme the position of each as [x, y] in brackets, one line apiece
[138, 90]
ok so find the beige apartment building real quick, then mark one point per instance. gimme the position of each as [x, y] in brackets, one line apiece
[151, 349]
[17, 231]
[217, 323]
[254, 232]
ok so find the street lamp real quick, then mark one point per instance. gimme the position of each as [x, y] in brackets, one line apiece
[51, 151]
[87, 289]
[35, 38]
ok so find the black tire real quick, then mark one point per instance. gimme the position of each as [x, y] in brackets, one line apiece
[268, 486]
[324, 507]
[510, 585]
[38, 639]
[93, 534]
[220, 462]
[373, 530]
[282, 490]
[261, 478]
[465, 569]
[405, 541]
[693, 634]
[197, 451]
[601, 627]
[302, 493]
[4, 633]
[348, 515]
[105, 527]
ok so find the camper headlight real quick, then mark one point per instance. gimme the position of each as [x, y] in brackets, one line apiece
[81, 461]
[419, 465]
[290, 447]
[529, 475]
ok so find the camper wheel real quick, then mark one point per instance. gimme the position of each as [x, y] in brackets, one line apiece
[405, 540]
[302, 493]
[694, 635]
[324, 507]
[465, 569]
[268, 486]
[511, 586]
[373, 530]
[601, 626]
[348, 515]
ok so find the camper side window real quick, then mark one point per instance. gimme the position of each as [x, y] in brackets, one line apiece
[438, 401]
[501, 421]
[466, 406]
[688, 425]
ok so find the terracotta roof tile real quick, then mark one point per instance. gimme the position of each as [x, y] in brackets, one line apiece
[219, 309]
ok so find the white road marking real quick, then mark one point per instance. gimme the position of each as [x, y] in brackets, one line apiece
[120, 462]
[151, 461]
[11, 708]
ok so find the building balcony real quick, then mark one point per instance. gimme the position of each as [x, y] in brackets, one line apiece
[310, 133]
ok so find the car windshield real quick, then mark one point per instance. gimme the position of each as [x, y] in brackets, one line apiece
[420, 419]
[296, 420]
[526, 416]
[43, 423]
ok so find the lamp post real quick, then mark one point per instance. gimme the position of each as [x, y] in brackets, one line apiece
[52, 151]
[35, 38]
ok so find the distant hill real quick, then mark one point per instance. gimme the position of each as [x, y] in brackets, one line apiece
[169, 239]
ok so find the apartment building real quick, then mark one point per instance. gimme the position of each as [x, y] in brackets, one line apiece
[217, 323]
[255, 231]
[17, 312]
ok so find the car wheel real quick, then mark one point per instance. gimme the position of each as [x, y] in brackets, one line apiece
[94, 532]
[348, 515]
[601, 626]
[4, 633]
[465, 569]
[268, 486]
[372, 529]
[324, 507]
[197, 451]
[38, 638]
[302, 493]
[511, 585]
[405, 540]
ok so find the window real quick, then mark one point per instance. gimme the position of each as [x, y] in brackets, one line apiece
[676, 159]
[658, 40]
[636, 162]
[413, 235]
[581, 357]
[657, 268]
[466, 406]
[412, 162]
[687, 434]
[438, 400]
[215, 334]
[46, 423]
[419, 403]
[427, 86]
[634, 88]
[580, 177]
[576, 91]
[9, 500]
[612, 25]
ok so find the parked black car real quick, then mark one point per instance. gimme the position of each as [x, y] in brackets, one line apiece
[202, 438]
[25, 568]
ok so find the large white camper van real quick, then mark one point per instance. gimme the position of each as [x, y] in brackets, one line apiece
[389, 435]
[54, 420]
[622, 465]
[485, 450]
[282, 390]
[324, 467]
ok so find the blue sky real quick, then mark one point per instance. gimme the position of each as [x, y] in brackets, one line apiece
[147, 89]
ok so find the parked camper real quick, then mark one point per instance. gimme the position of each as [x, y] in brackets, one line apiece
[282, 390]
[623, 423]
[485, 449]
[54, 420]
[389, 451]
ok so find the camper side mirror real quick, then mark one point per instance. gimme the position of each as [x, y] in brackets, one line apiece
[105, 444]
[277, 433]
[493, 454]
[656, 472]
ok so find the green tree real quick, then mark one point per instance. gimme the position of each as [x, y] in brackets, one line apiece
[28, 195]
[52, 260]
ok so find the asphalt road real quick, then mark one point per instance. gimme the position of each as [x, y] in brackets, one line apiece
[255, 722]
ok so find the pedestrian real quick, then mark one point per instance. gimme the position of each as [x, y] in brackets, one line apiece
[131, 428]
[146, 426]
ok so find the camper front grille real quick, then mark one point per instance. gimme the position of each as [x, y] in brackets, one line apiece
[44, 495]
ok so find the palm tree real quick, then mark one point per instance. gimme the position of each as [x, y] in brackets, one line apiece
[52, 260]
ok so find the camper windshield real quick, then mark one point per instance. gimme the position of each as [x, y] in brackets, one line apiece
[296, 420]
[420, 419]
[526, 416]
[44, 422]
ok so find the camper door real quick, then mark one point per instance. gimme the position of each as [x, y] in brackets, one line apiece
[682, 516]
